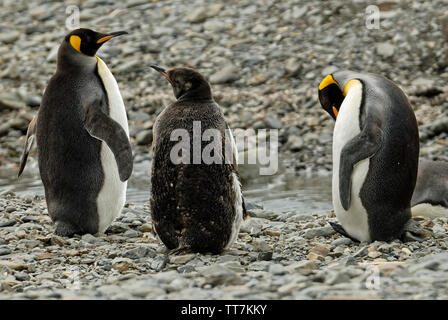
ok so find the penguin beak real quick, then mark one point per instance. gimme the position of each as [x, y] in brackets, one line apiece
[109, 36]
[162, 71]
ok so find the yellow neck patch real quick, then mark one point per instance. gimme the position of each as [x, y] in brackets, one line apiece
[75, 41]
[349, 85]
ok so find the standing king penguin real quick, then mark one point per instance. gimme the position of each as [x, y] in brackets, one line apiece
[195, 207]
[375, 155]
[82, 136]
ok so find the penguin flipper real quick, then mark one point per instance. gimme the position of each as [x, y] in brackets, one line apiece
[102, 127]
[29, 142]
[361, 147]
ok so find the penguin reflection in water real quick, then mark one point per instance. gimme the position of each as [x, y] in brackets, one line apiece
[375, 156]
[195, 206]
[82, 137]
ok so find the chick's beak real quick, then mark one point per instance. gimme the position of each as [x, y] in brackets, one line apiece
[162, 71]
[106, 37]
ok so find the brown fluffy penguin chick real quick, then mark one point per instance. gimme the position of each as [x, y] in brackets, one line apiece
[196, 205]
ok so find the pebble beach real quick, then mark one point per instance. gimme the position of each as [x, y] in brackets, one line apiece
[264, 60]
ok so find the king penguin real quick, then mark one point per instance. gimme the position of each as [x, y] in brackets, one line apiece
[196, 205]
[430, 197]
[375, 156]
[82, 137]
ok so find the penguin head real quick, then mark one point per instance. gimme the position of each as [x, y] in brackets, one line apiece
[330, 95]
[87, 42]
[334, 88]
[186, 83]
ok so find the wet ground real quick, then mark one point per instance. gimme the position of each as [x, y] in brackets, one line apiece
[282, 192]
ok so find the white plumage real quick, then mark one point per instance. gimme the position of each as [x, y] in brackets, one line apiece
[112, 196]
[354, 221]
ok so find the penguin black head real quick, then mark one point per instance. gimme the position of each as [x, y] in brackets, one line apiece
[87, 41]
[330, 95]
[186, 83]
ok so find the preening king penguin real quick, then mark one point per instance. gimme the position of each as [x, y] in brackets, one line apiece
[375, 155]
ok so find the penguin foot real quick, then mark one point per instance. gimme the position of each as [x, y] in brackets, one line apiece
[64, 229]
[339, 229]
[413, 231]
[180, 251]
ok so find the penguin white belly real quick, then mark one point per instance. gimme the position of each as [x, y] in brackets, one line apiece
[112, 196]
[429, 211]
[354, 220]
[236, 187]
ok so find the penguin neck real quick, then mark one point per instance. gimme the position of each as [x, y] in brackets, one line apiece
[201, 92]
[71, 60]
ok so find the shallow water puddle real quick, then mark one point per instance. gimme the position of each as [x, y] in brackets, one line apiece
[281, 193]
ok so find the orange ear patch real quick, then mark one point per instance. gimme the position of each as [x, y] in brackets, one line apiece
[75, 41]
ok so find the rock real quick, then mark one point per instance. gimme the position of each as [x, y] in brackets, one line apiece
[33, 101]
[53, 54]
[295, 143]
[132, 233]
[182, 259]
[117, 227]
[385, 49]
[261, 245]
[341, 242]
[90, 238]
[228, 73]
[13, 265]
[9, 37]
[265, 256]
[11, 104]
[277, 269]
[4, 251]
[315, 256]
[374, 254]
[121, 264]
[146, 227]
[292, 66]
[319, 232]
[186, 269]
[140, 252]
[252, 225]
[272, 122]
[337, 278]
[144, 137]
[320, 250]
[304, 267]
[218, 275]
[361, 252]
[159, 263]
[8, 223]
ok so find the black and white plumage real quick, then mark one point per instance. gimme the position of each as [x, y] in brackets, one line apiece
[375, 155]
[82, 136]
